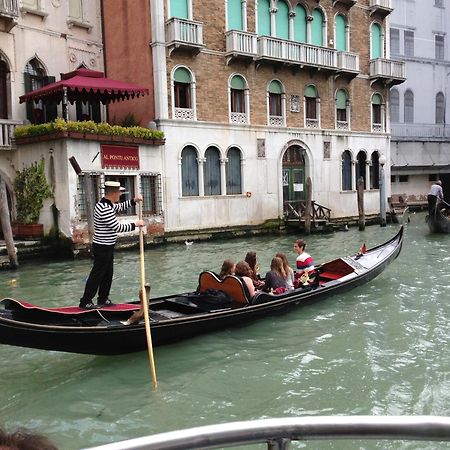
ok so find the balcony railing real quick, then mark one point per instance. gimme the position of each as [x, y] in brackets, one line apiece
[9, 8]
[184, 113]
[241, 43]
[184, 33]
[276, 121]
[420, 131]
[383, 7]
[394, 72]
[377, 127]
[312, 123]
[348, 62]
[7, 132]
[238, 117]
[342, 125]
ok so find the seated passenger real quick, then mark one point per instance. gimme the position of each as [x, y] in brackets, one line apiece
[243, 270]
[228, 268]
[304, 261]
[251, 260]
[287, 270]
[276, 277]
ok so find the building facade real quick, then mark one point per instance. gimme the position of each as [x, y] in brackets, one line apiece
[420, 148]
[254, 96]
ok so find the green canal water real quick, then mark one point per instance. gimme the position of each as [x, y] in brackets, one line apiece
[381, 349]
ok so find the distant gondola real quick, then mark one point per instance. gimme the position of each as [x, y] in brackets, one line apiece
[177, 317]
[437, 222]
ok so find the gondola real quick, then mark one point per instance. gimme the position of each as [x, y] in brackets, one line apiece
[437, 222]
[177, 317]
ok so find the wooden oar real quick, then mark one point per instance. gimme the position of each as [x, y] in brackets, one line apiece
[145, 303]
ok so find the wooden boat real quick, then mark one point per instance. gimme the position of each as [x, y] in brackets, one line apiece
[437, 222]
[177, 317]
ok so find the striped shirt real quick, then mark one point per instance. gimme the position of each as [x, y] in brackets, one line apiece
[304, 262]
[106, 224]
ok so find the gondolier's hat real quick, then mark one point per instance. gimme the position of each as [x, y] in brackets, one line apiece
[114, 184]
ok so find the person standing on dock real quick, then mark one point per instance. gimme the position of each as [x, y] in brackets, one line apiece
[106, 228]
[436, 194]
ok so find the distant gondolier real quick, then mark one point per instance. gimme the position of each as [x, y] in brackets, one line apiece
[436, 194]
[106, 229]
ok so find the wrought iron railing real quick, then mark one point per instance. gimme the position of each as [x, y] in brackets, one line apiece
[295, 210]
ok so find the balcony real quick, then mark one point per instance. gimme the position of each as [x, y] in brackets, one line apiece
[241, 45]
[381, 7]
[420, 131]
[348, 62]
[276, 121]
[387, 71]
[346, 3]
[239, 118]
[7, 132]
[9, 13]
[185, 34]
[184, 113]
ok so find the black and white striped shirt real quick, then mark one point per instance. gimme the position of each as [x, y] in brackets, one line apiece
[106, 224]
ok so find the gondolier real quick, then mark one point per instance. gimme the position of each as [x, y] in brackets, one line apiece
[434, 195]
[106, 228]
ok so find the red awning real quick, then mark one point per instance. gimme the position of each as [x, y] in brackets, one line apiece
[84, 84]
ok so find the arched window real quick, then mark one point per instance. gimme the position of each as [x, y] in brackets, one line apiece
[282, 20]
[347, 171]
[311, 107]
[233, 171]
[377, 113]
[361, 167]
[276, 103]
[409, 106]
[4, 75]
[376, 48]
[179, 8]
[340, 27]
[395, 106]
[234, 15]
[375, 171]
[189, 172]
[264, 17]
[182, 94]
[211, 171]
[238, 99]
[440, 108]
[300, 24]
[35, 78]
[342, 119]
[317, 27]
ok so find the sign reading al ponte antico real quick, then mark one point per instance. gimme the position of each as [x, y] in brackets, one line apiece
[117, 156]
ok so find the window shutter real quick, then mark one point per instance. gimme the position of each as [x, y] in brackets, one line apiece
[51, 109]
[341, 99]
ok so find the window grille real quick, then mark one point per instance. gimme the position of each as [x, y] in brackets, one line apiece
[151, 193]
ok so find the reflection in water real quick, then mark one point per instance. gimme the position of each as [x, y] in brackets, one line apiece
[380, 349]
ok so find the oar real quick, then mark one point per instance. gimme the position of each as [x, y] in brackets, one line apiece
[145, 303]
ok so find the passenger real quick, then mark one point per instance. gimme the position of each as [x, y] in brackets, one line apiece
[276, 277]
[304, 261]
[287, 270]
[228, 268]
[252, 261]
[243, 270]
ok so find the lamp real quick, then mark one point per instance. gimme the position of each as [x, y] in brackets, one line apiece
[382, 160]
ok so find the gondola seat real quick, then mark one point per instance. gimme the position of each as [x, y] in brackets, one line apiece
[232, 285]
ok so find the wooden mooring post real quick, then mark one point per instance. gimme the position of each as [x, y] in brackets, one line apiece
[308, 206]
[6, 226]
[360, 196]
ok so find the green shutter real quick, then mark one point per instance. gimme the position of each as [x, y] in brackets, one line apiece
[282, 20]
[234, 15]
[317, 28]
[179, 8]
[275, 87]
[237, 82]
[341, 99]
[300, 24]
[341, 41]
[311, 91]
[264, 17]
[376, 41]
[376, 99]
[182, 75]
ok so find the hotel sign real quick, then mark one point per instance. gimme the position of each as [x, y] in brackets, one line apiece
[117, 156]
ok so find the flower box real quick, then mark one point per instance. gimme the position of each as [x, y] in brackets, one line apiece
[28, 231]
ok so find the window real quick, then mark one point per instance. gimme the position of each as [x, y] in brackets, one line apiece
[403, 178]
[233, 171]
[300, 24]
[317, 28]
[234, 15]
[395, 41]
[375, 171]
[361, 168]
[94, 180]
[76, 10]
[440, 108]
[311, 107]
[128, 182]
[179, 8]
[376, 47]
[432, 177]
[282, 20]
[4, 81]
[409, 43]
[393, 178]
[341, 109]
[340, 26]
[276, 103]
[409, 106]
[346, 171]
[377, 113]
[183, 95]
[238, 99]
[151, 193]
[211, 171]
[395, 106]
[439, 46]
[189, 172]
[88, 111]
[264, 17]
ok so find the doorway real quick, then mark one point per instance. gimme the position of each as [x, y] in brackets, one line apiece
[293, 174]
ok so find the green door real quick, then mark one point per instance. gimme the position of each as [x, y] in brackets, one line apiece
[376, 41]
[179, 8]
[293, 174]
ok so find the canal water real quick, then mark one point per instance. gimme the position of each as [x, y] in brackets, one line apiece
[381, 349]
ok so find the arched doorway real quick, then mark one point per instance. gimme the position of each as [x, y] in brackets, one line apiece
[293, 171]
[4, 73]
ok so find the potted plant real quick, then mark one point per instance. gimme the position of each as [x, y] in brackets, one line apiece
[31, 189]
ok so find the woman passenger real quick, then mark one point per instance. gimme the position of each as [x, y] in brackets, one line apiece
[228, 268]
[276, 277]
[243, 270]
[287, 270]
[251, 260]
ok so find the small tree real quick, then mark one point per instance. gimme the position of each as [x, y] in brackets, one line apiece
[31, 188]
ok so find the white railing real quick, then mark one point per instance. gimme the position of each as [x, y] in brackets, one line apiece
[9, 8]
[420, 130]
[377, 127]
[348, 61]
[7, 131]
[342, 125]
[184, 113]
[312, 123]
[387, 68]
[184, 31]
[236, 117]
[241, 42]
[276, 121]
[381, 4]
[278, 433]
